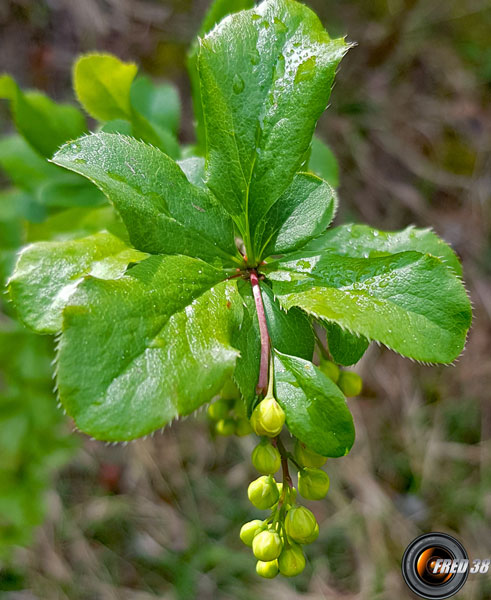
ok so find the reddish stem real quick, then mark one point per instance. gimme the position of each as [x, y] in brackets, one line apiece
[284, 461]
[262, 382]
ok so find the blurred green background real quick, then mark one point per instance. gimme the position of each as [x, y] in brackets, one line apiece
[410, 124]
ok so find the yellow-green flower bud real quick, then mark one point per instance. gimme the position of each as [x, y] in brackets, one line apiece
[300, 524]
[249, 530]
[243, 427]
[229, 391]
[225, 427]
[330, 369]
[268, 569]
[266, 459]
[313, 484]
[291, 561]
[267, 545]
[350, 383]
[218, 410]
[268, 418]
[263, 492]
[313, 536]
[307, 457]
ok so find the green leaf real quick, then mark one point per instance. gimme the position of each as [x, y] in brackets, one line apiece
[75, 223]
[22, 165]
[163, 212]
[410, 302]
[194, 169]
[48, 273]
[13, 205]
[289, 332]
[362, 241]
[11, 209]
[169, 323]
[266, 76]
[323, 163]
[345, 348]
[246, 338]
[315, 408]
[158, 103]
[43, 123]
[303, 212]
[24, 356]
[50, 185]
[67, 191]
[17, 205]
[218, 10]
[102, 83]
[117, 126]
[142, 129]
[155, 135]
[194, 80]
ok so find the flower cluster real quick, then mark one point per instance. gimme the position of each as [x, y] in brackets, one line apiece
[277, 541]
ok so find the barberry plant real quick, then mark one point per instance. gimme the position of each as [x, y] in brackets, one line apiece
[222, 272]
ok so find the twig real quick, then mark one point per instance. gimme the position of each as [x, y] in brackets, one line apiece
[262, 382]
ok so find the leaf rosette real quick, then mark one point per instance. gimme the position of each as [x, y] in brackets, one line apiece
[155, 316]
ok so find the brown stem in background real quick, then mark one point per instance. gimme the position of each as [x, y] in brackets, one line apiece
[262, 382]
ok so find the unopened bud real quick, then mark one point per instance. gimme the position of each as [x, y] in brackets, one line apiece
[307, 457]
[263, 492]
[266, 458]
[300, 524]
[267, 545]
[218, 410]
[350, 383]
[330, 369]
[268, 569]
[313, 536]
[249, 530]
[225, 427]
[291, 561]
[313, 484]
[268, 418]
